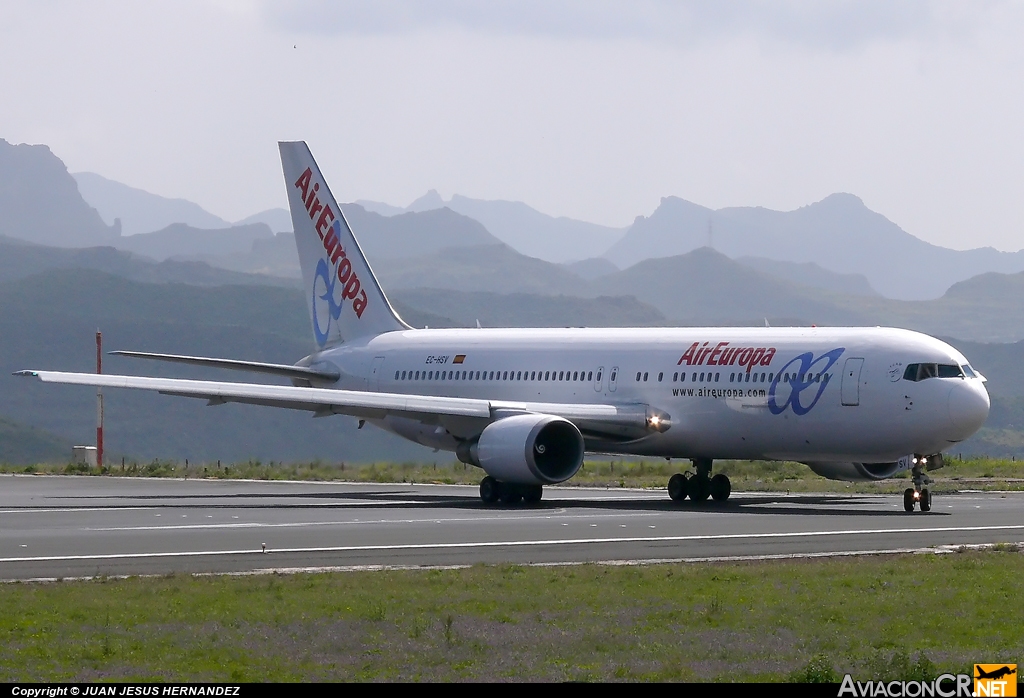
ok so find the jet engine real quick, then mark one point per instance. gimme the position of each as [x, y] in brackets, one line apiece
[857, 472]
[527, 449]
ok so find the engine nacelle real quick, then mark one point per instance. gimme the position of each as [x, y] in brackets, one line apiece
[527, 449]
[860, 472]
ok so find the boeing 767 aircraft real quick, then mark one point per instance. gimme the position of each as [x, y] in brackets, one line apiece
[525, 405]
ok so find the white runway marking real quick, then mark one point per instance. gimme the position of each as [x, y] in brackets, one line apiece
[225, 505]
[938, 550]
[71, 510]
[299, 524]
[518, 543]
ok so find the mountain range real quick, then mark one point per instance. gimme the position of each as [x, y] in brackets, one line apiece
[20, 259]
[838, 233]
[40, 201]
[210, 287]
[142, 212]
[527, 230]
[138, 210]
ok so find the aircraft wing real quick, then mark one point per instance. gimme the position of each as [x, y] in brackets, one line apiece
[283, 370]
[617, 421]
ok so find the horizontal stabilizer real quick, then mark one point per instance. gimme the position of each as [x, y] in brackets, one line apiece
[285, 370]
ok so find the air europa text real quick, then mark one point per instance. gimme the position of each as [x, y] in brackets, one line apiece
[329, 231]
[724, 355]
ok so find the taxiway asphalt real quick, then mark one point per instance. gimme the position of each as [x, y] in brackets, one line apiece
[63, 526]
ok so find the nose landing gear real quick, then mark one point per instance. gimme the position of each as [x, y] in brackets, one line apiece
[919, 495]
[701, 486]
[912, 498]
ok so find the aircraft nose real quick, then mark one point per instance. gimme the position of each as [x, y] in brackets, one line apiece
[968, 408]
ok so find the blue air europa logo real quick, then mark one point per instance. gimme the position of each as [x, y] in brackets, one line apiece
[808, 378]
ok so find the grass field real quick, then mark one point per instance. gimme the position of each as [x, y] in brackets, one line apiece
[970, 473]
[905, 617]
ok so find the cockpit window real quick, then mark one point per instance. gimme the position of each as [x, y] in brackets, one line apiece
[919, 372]
[968, 371]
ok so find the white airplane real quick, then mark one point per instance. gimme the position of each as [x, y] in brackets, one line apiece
[525, 405]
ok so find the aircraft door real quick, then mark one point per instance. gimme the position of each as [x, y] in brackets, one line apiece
[612, 378]
[851, 382]
[598, 378]
[376, 370]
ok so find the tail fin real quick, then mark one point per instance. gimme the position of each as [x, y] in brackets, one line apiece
[345, 299]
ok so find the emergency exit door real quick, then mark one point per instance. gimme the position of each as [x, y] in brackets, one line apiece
[375, 373]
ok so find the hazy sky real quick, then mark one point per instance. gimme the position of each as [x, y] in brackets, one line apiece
[588, 108]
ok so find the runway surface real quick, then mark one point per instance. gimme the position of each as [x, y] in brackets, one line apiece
[58, 527]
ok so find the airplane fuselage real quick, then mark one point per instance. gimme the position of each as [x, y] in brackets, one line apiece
[805, 394]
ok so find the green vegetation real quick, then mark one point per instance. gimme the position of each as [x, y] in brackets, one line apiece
[24, 444]
[746, 476]
[893, 618]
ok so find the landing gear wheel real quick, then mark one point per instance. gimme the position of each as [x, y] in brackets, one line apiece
[489, 490]
[720, 488]
[677, 487]
[923, 496]
[908, 499]
[699, 488]
[533, 493]
[510, 494]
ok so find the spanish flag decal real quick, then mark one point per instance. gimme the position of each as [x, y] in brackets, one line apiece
[459, 358]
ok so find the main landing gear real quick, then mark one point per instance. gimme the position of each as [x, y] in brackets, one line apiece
[701, 486]
[918, 495]
[492, 491]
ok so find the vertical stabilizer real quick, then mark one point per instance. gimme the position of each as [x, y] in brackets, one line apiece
[345, 299]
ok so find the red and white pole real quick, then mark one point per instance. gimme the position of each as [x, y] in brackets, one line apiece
[99, 401]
